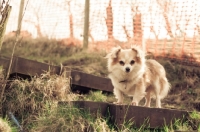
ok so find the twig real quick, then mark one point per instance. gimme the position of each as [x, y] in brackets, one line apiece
[5, 12]
[11, 59]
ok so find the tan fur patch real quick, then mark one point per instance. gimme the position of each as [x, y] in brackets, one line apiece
[116, 60]
[137, 58]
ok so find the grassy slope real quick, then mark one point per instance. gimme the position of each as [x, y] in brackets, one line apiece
[185, 84]
[43, 49]
[184, 79]
[53, 52]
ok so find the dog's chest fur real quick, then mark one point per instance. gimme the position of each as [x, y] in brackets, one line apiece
[127, 85]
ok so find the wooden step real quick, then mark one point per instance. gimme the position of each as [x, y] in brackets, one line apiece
[80, 80]
[120, 114]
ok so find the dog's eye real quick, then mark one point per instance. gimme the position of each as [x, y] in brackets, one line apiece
[132, 62]
[121, 63]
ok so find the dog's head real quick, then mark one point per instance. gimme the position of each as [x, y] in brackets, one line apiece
[125, 59]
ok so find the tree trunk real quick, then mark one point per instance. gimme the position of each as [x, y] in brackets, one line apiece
[86, 24]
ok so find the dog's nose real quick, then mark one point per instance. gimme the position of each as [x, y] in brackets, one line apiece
[127, 69]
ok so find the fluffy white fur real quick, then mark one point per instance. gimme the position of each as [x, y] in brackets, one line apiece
[133, 75]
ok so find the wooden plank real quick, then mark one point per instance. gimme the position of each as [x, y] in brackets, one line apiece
[195, 105]
[90, 81]
[79, 79]
[27, 67]
[153, 117]
[31, 67]
[139, 116]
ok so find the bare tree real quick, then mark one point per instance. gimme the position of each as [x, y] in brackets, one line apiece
[5, 10]
[125, 29]
[36, 13]
[164, 5]
[126, 32]
[198, 26]
[66, 6]
[137, 26]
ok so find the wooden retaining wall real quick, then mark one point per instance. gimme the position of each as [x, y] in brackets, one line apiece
[140, 116]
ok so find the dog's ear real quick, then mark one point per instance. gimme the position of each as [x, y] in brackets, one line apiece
[140, 54]
[114, 52]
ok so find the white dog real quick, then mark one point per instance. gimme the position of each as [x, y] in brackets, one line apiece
[133, 75]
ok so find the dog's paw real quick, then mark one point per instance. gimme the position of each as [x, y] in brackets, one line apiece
[134, 103]
[118, 103]
[145, 105]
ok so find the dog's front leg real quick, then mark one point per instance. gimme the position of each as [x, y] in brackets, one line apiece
[147, 99]
[138, 95]
[136, 99]
[119, 96]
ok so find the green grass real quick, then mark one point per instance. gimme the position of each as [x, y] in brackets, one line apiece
[194, 120]
[95, 96]
[52, 52]
[89, 62]
[42, 49]
[69, 118]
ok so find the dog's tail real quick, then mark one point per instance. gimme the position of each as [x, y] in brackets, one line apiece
[165, 87]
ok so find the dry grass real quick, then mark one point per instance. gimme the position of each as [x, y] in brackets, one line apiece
[70, 119]
[34, 103]
[28, 98]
